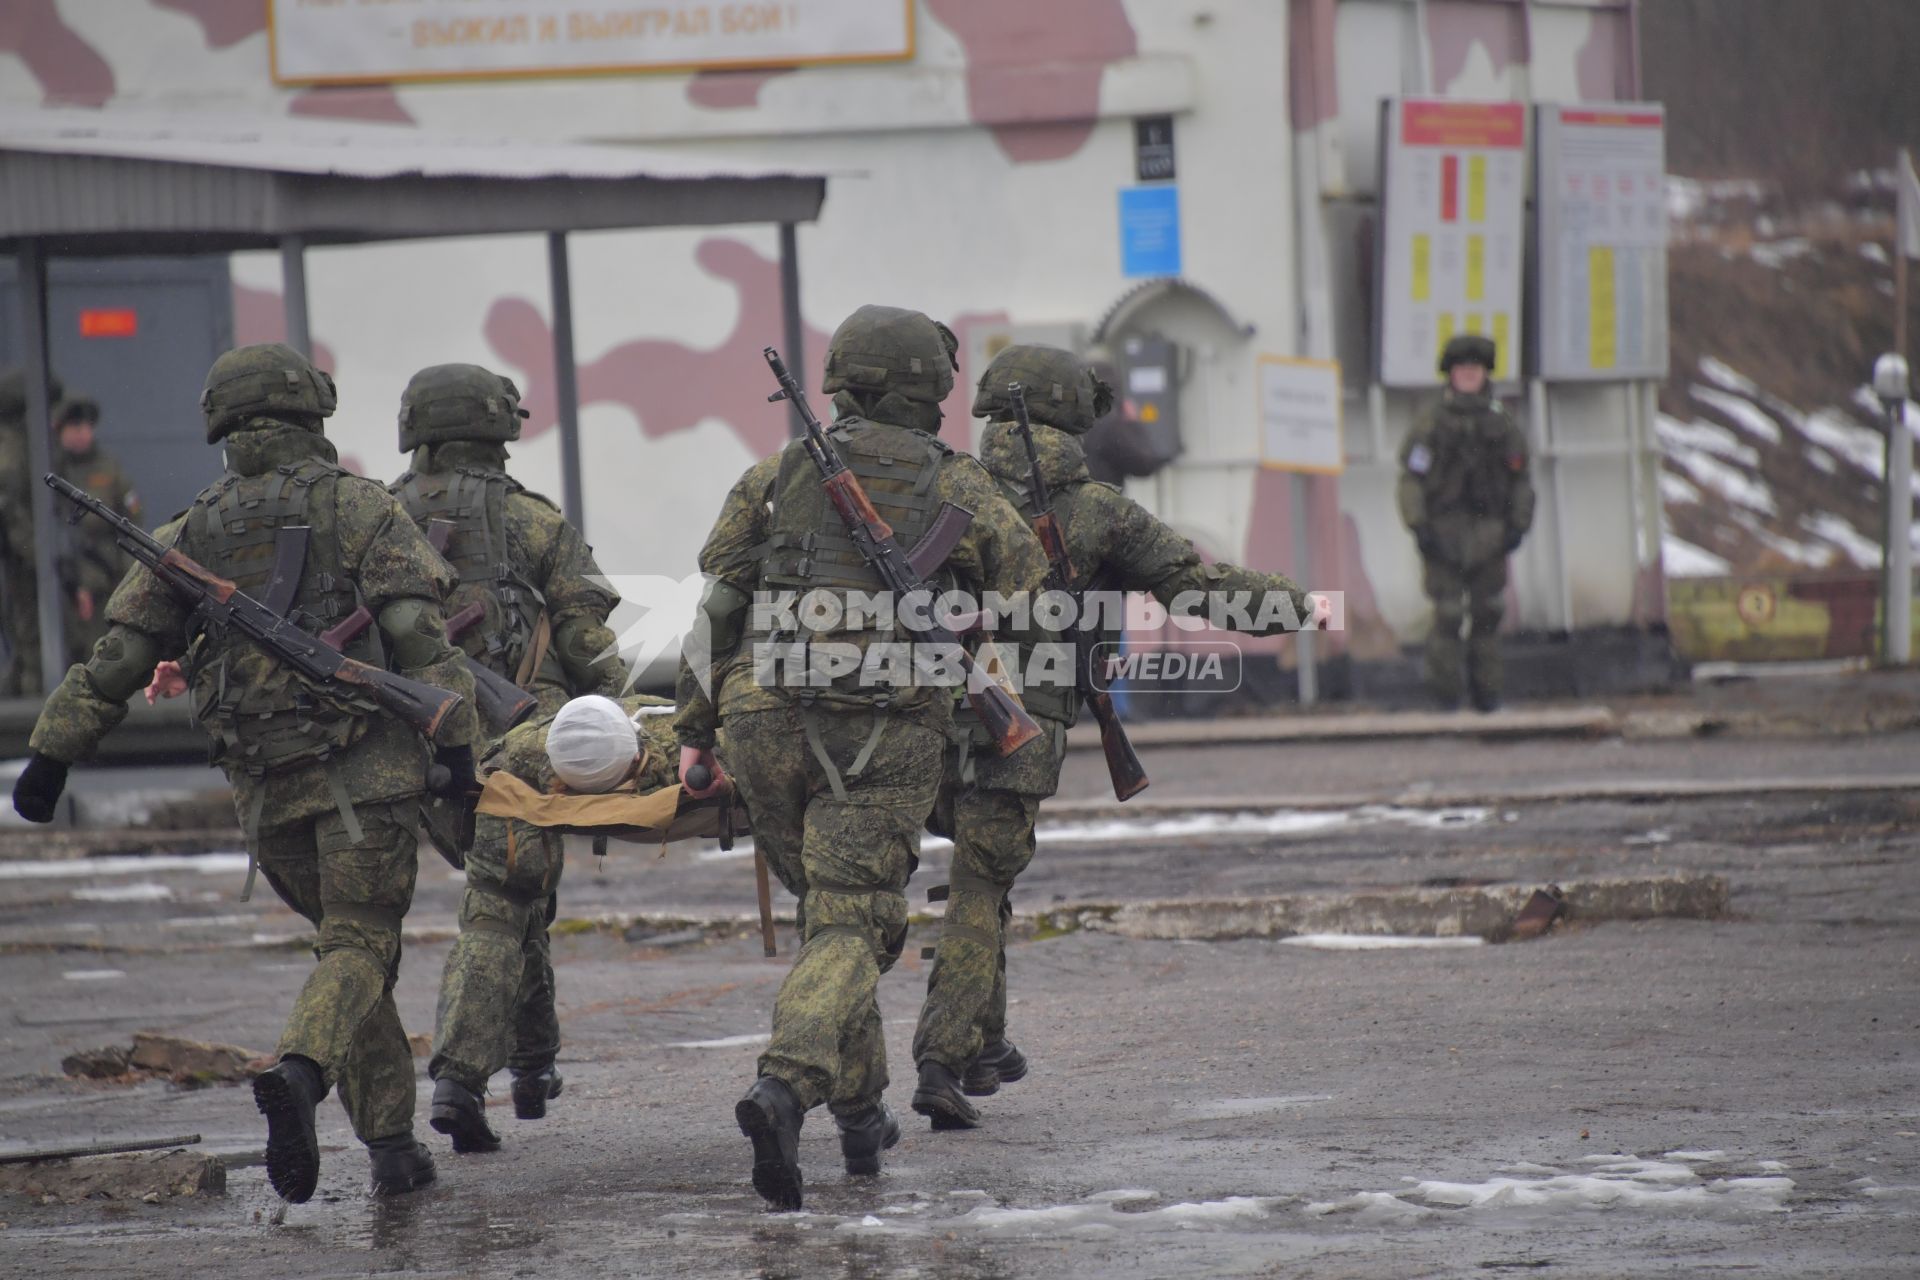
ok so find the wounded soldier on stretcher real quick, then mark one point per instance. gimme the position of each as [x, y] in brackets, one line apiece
[600, 767]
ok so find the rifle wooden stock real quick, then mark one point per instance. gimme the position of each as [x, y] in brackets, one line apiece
[763, 889]
[1124, 770]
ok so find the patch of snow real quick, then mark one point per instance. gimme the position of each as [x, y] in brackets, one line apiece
[724, 1042]
[1719, 371]
[1677, 489]
[1697, 1157]
[1235, 1108]
[1680, 437]
[1875, 252]
[1798, 552]
[1374, 941]
[1820, 460]
[1770, 1166]
[206, 922]
[143, 891]
[1844, 437]
[1863, 551]
[1617, 1182]
[1681, 559]
[1098, 1214]
[1778, 253]
[1741, 410]
[86, 868]
[1731, 483]
[1372, 1207]
[93, 975]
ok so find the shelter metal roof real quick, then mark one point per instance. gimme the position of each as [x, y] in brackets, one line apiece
[124, 181]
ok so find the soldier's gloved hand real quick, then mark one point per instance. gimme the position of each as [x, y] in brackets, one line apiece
[452, 773]
[1428, 544]
[37, 790]
[697, 765]
[1514, 538]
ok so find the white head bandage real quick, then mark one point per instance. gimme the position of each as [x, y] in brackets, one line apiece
[591, 744]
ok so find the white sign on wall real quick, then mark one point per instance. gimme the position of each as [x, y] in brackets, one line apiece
[1300, 404]
[1603, 241]
[1451, 233]
[351, 41]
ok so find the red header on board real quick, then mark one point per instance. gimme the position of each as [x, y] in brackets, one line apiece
[1491, 125]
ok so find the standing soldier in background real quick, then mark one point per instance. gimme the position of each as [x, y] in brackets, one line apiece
[988, 805]
[839, 777]
[326, 785]
[541, 623]
[19, 606]
[1467, 497]
[93, 563]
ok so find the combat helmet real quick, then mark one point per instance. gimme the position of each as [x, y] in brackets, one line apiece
[268, 379]
[1060, 390]
[458, 402]
[13, 393]
[76, 408]
[882, 350]
[1468, 348]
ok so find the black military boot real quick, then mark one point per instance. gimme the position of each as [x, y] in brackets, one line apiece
[1485, 702]
[461, 1114]
[532, 1091]
[400, 1164]
[941, 1100]
[999, 1063]
[771, 1116]
[286, 1094]
[865, 1136]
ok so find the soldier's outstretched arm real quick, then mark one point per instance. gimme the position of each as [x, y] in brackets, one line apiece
[578, 602]
[1143, 554]
[731, 557]
[147, 623]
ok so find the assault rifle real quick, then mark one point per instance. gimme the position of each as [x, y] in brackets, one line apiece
[1007, 722]
[222, 604]
[502, 704]
[1123, 764]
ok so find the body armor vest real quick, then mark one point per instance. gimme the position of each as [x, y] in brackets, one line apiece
[1471, 474]
[473, 503]
[1056, 702]
[262, 716]
[808, 548]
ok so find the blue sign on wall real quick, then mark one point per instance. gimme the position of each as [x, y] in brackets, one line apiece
[1150, 231]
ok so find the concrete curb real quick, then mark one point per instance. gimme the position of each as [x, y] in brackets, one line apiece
[1427, 913]
[1365, 726]
[1450, 798]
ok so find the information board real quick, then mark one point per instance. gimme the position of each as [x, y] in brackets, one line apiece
[1603, 241]
[1300, 409]
[335, 42]
[1451, 242]
[1150, 231]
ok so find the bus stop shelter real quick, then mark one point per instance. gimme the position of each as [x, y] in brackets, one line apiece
[78, 183]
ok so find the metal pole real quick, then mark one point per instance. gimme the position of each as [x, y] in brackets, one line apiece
[1543, 448]
[1898, 648]
[293, 293]
[566, 379]
[31, 271]
[794, 331]
[1306, 674]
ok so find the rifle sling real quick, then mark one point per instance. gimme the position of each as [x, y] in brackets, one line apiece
[289, 562]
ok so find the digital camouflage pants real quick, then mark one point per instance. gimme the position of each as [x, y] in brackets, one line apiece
[990, 820]
[496, 994]
[356, 892]
[1477, 597]
[847, 858]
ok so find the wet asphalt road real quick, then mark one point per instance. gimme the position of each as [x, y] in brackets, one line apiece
[1245, 1108]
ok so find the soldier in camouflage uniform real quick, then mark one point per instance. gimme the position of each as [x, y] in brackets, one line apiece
[1466, 494]
[326, 786]
[838, 778]
[988, 805]
[19, 606]
[513, 868]
[544, 627]
[94, 562]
